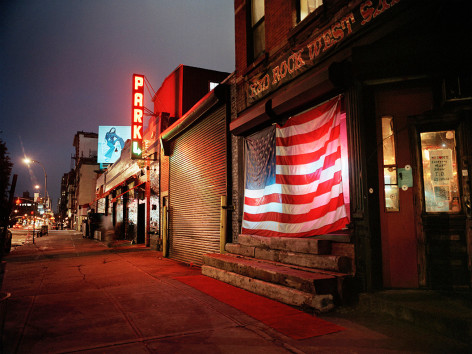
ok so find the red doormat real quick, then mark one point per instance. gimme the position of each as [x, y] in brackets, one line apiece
[283, 318]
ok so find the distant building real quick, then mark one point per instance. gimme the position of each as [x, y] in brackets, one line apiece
[71, 199]
[24, 209]
[63, 199]
[82, 191]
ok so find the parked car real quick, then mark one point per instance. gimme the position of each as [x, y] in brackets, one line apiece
[44, 230]
[7, 243]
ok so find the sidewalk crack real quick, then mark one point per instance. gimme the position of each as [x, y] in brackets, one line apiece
[80, 271]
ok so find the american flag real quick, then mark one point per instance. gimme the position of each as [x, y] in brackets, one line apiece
[294, 176]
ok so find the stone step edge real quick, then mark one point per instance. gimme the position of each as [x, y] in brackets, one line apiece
[340, 264]
[291, 266]
[300, 245]
[289, 296]
[276, 273]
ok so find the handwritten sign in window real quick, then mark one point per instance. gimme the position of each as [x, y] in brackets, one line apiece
[441, 166]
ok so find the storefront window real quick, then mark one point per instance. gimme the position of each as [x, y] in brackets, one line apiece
[441, 185]
[101, 206]
[119, 210]
[154, 213]
[390, 167]
[256, 30]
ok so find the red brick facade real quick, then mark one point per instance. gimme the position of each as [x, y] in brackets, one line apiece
[365, 51]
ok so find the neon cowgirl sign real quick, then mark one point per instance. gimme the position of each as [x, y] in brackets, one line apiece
[137, 115]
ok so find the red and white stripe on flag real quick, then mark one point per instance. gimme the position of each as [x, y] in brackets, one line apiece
[307, 196]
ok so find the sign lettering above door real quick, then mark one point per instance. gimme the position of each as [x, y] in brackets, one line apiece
[306, 55]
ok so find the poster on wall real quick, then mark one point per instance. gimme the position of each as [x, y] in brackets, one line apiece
[111, 140]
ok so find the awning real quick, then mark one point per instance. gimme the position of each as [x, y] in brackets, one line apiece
[101, 195]
[129, 190]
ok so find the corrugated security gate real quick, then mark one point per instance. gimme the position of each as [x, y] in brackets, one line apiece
[197, 182]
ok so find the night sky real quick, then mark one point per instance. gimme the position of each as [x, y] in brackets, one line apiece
[67, 65]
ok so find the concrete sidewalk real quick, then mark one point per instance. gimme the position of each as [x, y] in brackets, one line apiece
[70, 294]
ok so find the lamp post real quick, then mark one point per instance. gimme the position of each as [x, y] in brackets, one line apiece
[34, 223]
[28, 161]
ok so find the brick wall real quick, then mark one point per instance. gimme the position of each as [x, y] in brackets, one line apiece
[237, 170]
[279, 19]
[240, 35]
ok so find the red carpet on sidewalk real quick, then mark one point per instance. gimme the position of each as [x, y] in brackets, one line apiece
[283, 318]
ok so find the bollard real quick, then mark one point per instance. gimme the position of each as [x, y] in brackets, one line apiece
[223, 219]
[164, 231]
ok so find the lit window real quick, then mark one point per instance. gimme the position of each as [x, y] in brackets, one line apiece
[441, 185]
[256, 29]
[306, 7]
[389, 165]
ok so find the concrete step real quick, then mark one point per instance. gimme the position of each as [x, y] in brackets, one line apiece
[311, 281]
[335, 263]
[289, 296]
[299, 245]
[446, 314]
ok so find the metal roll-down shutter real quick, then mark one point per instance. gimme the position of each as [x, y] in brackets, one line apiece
[197, 182]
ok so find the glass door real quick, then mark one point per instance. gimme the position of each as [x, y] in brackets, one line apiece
[440, 179]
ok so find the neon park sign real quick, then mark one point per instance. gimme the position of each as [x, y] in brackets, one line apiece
[137, 115]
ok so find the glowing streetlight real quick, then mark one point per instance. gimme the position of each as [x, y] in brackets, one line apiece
[28, 161]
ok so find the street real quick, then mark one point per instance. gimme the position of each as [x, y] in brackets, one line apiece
[70, 294]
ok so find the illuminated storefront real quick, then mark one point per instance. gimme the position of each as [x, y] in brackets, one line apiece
[402, 74]
[131, 192]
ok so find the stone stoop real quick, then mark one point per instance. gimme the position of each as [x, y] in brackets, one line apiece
[298, 272]
[309, 253]
[286, 295]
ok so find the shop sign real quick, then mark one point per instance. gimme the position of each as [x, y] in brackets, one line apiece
[137, 115]
[309, 53]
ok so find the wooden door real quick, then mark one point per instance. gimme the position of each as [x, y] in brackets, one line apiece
[396, 187]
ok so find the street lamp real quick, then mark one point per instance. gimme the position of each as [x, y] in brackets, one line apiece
[28, 161]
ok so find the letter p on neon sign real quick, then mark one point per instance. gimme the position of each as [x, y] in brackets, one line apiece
[137, 114]
[138, 81]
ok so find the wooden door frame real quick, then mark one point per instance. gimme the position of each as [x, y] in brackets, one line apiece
[418, 124]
